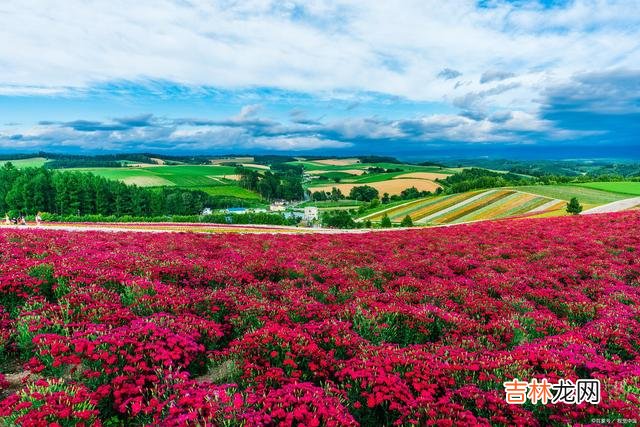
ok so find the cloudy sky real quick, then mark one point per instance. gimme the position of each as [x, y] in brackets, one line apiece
[413, 78]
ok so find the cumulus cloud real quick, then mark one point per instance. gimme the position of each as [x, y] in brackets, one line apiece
[605, 92]
[495, 75]
[449, 74]
[136, 121]
[605, 104]
[471, 100]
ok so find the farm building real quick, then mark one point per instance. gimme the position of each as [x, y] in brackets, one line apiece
[277, 206]
[310, 213]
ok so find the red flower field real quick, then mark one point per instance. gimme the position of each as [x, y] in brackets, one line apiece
[412, 327]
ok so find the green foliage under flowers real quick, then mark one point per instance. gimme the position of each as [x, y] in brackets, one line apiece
[397, 328]
[52, 402]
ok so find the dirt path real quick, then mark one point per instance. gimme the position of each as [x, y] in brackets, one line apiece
[620, 205]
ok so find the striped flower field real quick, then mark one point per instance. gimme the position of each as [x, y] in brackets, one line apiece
[471, 206]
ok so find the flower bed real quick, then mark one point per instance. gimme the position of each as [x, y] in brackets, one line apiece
[411, 327]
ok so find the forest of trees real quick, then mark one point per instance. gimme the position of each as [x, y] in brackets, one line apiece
[284, 183]
[476, 178]
[32, 190]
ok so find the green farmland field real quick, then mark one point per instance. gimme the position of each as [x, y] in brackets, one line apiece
[34, 162]
[585, 195]
[330, 204]
[138, 176]
[630, 188]
[181, 176]
[230, 191]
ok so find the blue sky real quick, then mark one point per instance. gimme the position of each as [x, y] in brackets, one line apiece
[413, 78]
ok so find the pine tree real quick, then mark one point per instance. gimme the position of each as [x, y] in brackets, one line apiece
[385, 222]
[406, 222]
[574, 207]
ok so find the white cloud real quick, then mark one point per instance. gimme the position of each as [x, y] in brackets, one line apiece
[296, 143]
[331, 46]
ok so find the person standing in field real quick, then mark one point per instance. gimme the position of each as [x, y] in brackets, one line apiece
[38, 218]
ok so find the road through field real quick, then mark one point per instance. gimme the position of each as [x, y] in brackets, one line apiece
[618, 206]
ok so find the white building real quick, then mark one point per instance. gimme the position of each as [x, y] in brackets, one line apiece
[277, 206]
[310, 214]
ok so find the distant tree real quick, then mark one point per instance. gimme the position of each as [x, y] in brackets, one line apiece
[336, 194]
[339, 219]
[574, 207]
[385, 198]
[385, 222]
[318, 196]
[410, 193]
[365, 193]
[406, 222]
[367, 224]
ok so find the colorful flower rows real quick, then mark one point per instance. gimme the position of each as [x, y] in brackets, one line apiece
[417, 327]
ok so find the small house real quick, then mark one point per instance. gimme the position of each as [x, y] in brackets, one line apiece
[311, 214]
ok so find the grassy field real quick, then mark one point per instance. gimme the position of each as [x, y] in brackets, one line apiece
[330, 204]
[34, 162]
[586, 196]
[139, 176]
[215, 180]
[230, 191]
[337, 175]
[630, 188]
[181, 176]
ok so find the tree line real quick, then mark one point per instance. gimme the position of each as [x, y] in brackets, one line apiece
[31, 190]
[283, 183]
[477, 178]
[367, 193]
